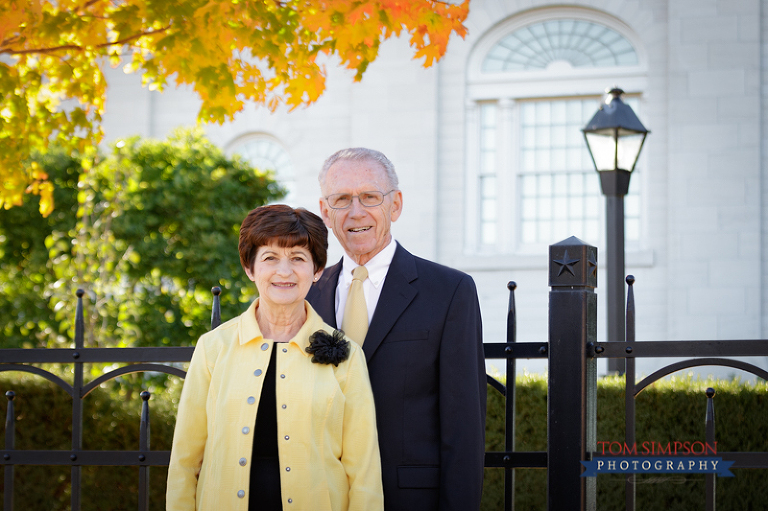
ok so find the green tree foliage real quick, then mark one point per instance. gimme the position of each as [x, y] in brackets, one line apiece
[230, 52]
[25, 275]
[147, 232]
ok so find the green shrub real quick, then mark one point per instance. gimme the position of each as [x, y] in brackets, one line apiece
[669, 410]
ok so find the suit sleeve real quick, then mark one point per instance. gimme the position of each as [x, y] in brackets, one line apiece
[190, 435]
[360, 443]
[462, 402]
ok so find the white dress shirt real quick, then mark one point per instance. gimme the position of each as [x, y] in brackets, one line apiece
[377, 272]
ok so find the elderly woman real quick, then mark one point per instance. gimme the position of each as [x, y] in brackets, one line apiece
[276, 410]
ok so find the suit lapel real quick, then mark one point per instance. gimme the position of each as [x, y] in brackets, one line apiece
[396, 295]
[324, 294]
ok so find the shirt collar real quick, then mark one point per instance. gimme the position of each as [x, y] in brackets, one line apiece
[377, 267]
[250, 331]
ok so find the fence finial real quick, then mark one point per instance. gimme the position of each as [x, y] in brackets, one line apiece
[630, 316]
[144, 427]
[10, 421]
[511, 313]
[79, 320]
[216, 308]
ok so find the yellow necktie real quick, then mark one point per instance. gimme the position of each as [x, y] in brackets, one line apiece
[355, 321]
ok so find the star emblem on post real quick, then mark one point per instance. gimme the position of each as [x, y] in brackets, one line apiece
[563, 260]
[592, 264]
[566, 264]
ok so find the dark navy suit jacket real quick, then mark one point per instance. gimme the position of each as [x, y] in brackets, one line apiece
[425, 358]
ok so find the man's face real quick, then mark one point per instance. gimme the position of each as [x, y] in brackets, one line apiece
[362, 231]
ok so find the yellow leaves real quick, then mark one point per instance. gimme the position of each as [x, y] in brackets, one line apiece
[13, 190]
[45, 190]
[435, 26]
[305, 87]
[31, 180]
[12, 15]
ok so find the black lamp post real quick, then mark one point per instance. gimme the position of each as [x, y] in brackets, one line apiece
[614, 138]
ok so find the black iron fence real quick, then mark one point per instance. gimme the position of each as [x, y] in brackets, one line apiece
[698, 353]
[572, 352]
[138, 360]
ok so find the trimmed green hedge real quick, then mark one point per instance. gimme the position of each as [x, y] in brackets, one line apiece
[668, 411]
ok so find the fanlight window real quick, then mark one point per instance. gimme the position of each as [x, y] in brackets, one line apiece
[579, 43]
[265, 154]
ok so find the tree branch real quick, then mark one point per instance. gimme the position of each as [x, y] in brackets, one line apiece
[55, 49]
[87, 5]
[10, 40]
[137, 36]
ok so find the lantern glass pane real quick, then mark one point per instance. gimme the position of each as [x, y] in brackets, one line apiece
[629, 150]
[603, 149]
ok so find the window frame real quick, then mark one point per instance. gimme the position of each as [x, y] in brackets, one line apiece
[289, 182]
[507, 90]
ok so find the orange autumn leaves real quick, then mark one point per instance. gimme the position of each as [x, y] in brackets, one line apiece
[231, 52]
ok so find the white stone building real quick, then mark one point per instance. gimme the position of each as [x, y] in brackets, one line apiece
[493, 166]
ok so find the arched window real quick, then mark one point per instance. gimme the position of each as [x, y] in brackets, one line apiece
[533, 82]
[576, 42]
[266, 154]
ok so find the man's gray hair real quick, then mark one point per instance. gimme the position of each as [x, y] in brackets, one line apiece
[360, 154]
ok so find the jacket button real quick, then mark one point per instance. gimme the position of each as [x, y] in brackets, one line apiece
[246, 430]
[287, 469]
[251, 400]
[290, 501]
[243, 462]
[282, 376]
[264, 347]
[287, 437]
[285, 350]
[284, 407]
[241, 493]
[257, 372]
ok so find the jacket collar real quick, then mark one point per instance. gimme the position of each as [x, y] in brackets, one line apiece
[396, 295]
[250, 331]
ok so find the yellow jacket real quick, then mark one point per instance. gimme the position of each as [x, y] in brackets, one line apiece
[327, 440]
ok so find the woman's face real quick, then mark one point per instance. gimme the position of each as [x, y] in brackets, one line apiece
[283, 275]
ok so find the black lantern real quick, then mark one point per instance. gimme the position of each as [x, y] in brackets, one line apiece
[614, 138]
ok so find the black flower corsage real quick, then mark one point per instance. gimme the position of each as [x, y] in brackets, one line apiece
[328, 349]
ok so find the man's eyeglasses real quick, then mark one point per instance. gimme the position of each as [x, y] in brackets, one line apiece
[367, 199]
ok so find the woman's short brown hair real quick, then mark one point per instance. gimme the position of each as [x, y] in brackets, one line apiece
[286, 227]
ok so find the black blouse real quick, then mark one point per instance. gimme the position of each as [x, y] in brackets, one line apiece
[265, 467]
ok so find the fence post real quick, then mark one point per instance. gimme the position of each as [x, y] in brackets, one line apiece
[630, 499]
[10, 440]
[144, 448]
[710, 480]
[77, 403]
[571, 402]
[509, 402]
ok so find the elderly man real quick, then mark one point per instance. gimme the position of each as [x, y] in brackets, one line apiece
[419, 325]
